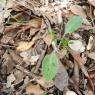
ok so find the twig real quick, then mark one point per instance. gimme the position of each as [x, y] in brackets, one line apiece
[30, 74]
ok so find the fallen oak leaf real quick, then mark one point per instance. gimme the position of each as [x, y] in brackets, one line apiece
[78, 10]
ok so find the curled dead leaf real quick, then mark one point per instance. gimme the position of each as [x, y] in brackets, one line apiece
[23, 46]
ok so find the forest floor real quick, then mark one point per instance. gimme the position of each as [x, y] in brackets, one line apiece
[47, 47]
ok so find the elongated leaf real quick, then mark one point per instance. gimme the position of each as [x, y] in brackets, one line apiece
[61, 79]
[73, 24]
[49, 66]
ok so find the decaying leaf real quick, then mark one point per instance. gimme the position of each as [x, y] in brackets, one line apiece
[48, 39]
[78, 10]
[23, 46]
[61, 79]
[34, 89]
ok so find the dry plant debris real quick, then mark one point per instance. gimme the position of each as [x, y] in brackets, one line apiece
[47, 47]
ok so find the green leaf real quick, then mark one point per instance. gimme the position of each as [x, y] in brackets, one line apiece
[73, 24]
[51, 32]
[49, 66]
[64, 42]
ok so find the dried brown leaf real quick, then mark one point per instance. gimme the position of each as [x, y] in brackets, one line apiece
[34, 89]
[33, 31]
[36, 23]
[41, 81]
[48, 39]
[23, 46]
[8, 63]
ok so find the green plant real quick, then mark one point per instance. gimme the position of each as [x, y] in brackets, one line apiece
[50, 62]
[73, 24]
[49, 66]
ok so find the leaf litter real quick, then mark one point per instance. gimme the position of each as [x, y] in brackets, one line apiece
[47, 47]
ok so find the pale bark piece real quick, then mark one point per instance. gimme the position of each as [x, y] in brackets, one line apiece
[90, 43]
[10, 79]
[92, 55]
[70, 93]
